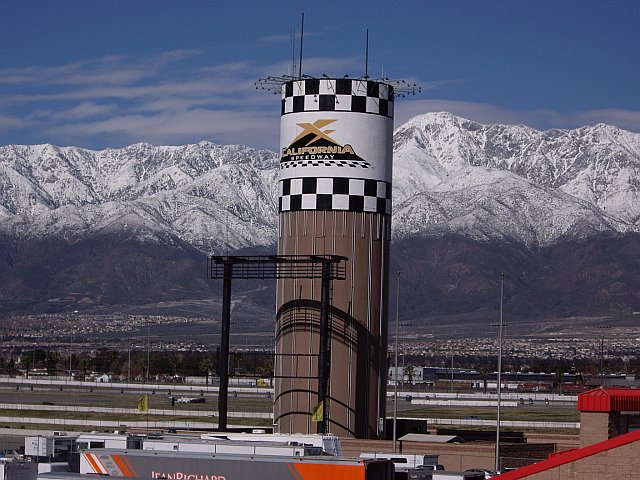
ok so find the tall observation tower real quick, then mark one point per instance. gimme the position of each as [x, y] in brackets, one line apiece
[334, 199]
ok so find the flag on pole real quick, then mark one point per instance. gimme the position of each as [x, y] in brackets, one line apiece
[317, 414]
[143, 403]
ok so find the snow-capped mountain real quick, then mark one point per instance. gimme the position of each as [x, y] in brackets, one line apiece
[207, 195]
[451, 175]
[495, 181]
[133, 225]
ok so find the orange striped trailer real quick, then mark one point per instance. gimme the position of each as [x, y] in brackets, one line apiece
[202, 466]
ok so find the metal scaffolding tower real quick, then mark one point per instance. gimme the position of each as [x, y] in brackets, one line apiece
[325, 267]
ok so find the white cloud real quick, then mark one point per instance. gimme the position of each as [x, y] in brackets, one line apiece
[221, 126]
[542, 119]
[108, 70]
[481, 112]
[281, 38]
[176, 97]
[88, 109]
[8, 122]
[627, 119]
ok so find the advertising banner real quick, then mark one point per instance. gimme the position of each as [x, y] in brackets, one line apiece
[336, 146]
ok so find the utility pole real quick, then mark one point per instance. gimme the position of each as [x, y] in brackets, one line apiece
[499, 372]
[395, 376]
[452, 369]
[603, 377]
[146, 376]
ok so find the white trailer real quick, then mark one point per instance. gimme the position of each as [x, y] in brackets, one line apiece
[102, 440]
[330, 444]
[39, 446]
[220, 446]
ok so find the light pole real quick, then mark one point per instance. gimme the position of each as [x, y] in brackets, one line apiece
[129, 363]
[499, 372]
[75, 313]
[452, 369]
[395, 376]
[146, 377]
[603, 378]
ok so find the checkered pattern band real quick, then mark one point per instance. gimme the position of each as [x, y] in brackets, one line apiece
[350, 194]
[325, 163]
[337, 95]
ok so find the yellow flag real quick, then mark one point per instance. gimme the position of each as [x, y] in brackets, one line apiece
[143, 403]
[317, 414]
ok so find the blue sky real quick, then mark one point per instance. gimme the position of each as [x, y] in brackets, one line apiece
[108, 73]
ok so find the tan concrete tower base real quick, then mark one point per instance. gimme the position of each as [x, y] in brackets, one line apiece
[357, 385]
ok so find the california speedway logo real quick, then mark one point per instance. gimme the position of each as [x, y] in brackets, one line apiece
[314, 147]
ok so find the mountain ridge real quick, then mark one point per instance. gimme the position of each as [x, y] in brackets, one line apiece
[510, 196]
[590, 163]
[437, 155]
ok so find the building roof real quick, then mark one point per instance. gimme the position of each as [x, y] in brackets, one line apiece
[426, 438]
[608, 399]
[570, 456]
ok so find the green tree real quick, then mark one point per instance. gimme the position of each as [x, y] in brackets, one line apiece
[141, 365]
[205, 366]
[105, 360]
[51, 362]
[407, 371]
[160, 364]
[237, 359]
[175, 361]
[31, 359]
[84, 367]
[484, 376]
[558, 378]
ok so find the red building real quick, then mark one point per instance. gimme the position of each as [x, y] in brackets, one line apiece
[609, 438]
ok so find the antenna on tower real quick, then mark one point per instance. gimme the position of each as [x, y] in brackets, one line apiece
[366, 57]
[293, 50]
[301, 38]
[275, 83]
